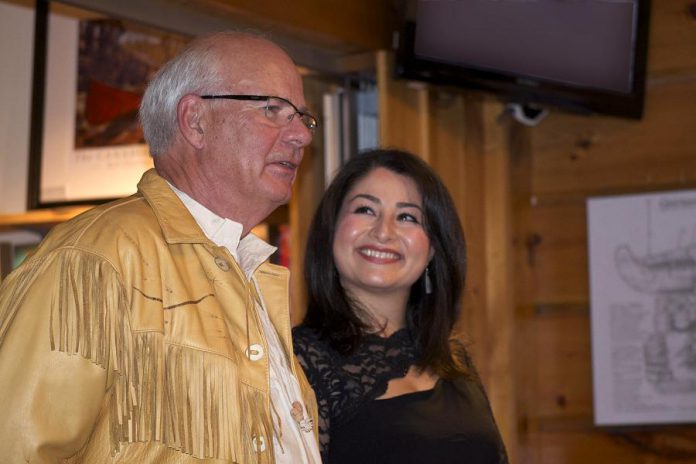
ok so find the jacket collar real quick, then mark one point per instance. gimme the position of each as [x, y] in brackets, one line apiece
[177, 224]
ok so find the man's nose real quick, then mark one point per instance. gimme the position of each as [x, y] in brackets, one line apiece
[297, 133]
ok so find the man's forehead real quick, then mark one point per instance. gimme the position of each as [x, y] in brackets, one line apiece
[250, 51]
[266, 80]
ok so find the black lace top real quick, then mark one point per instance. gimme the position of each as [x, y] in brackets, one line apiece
[344, 385]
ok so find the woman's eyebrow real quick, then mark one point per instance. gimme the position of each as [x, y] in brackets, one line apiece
[366, 196]
[409, 205]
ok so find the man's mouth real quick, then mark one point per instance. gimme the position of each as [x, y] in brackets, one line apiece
[288, 164]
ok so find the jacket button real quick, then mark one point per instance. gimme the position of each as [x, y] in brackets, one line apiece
[259, 444]
[254, 352]
[222, 263]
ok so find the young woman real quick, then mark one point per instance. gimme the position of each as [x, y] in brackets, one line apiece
[385, 269]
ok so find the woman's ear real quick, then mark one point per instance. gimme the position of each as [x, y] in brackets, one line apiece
[190, 118]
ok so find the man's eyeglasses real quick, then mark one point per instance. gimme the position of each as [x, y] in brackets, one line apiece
[278, 110]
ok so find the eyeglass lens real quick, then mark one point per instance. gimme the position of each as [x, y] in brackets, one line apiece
[282, 112]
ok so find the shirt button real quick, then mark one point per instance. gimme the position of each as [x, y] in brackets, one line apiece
[254, 352]
[222, 263]
[259, 444]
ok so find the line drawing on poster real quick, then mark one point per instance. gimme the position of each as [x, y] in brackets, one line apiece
[643, 307]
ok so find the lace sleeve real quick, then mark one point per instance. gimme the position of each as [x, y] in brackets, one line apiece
[364, 375]
[313, 356]
[344, 384]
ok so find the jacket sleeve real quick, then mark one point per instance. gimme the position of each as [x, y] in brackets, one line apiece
[58, 322]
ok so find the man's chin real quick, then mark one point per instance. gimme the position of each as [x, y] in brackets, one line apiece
[280, 193]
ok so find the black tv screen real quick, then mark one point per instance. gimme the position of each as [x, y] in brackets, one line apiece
[582, 55]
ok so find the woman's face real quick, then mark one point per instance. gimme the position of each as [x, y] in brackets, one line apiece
[380, 244]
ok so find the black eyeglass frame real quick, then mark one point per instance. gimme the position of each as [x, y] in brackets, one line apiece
[304, 116]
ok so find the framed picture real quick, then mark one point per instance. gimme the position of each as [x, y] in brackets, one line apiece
[15, 245]
[643, 307]
[90, 72]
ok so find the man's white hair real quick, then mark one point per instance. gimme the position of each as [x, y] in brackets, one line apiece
[193, 71]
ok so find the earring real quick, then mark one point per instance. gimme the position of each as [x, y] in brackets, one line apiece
[428, 282]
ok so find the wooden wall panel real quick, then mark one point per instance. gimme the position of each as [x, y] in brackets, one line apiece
[499, 311]
[563, 371]
[557, 259]
[307, 192]
[579, 156]
[569, 446]
[569, 159]
[404, 121]
[448, 141]
[672, 38]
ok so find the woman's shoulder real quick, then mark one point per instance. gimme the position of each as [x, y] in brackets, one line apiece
[462, 359]
[304, 336]
[309, 346]
[304, 331]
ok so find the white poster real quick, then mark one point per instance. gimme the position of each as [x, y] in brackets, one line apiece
[643, 305]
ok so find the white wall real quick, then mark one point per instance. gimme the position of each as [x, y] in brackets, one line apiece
[16, 55]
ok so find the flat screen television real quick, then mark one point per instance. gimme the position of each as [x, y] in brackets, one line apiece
[586, 56]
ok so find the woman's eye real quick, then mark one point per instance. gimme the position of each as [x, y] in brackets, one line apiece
[408, 218]
[363, 210]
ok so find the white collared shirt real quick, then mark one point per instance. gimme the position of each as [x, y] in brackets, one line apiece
[291, 444]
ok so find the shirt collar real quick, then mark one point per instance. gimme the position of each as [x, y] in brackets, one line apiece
[249, 251]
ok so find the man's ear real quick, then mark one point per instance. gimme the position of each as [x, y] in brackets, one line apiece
[189, 118]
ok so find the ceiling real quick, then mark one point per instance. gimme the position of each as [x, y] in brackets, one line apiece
[322, 35]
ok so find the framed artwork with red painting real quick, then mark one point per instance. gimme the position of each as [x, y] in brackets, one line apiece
[90, 71]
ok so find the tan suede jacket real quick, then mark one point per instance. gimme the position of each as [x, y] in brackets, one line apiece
[124, 339]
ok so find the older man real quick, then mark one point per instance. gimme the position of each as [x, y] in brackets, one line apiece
[152, 329]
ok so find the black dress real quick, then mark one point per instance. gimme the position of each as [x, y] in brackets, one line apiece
[450, 423]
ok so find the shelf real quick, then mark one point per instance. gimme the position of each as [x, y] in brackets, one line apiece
[40, 217]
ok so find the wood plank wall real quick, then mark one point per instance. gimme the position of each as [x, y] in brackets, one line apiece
[307, 192]
[564, 160]
[521, 193]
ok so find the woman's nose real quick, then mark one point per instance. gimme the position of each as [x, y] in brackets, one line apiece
[383, 229]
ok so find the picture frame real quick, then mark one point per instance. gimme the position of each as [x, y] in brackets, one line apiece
[642, 256]
[15, 245]
[90, 71]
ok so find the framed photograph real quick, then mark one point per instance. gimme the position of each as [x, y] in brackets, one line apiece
[643, 307]
[15, 245]
[90, 72]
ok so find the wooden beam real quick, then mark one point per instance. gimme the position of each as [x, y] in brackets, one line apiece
[307, 49]
[352, 26]
[307, 192]
[499, 289]
[403, 110]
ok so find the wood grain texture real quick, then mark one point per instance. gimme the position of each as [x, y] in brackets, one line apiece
[571, 158]
[352, 26]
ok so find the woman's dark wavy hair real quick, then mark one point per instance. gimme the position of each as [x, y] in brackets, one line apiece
[430, 317]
